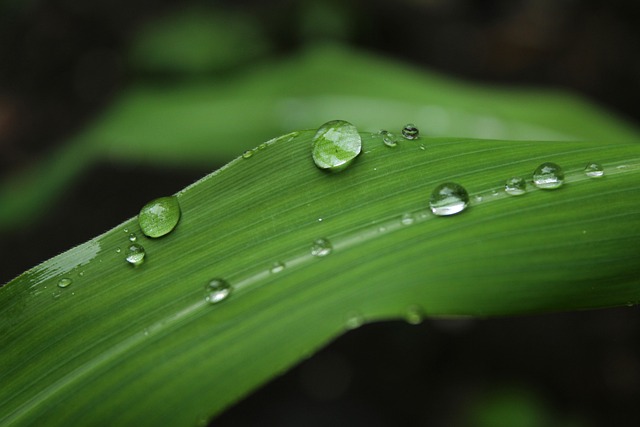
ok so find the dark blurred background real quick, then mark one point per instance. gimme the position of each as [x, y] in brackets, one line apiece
[62, 63]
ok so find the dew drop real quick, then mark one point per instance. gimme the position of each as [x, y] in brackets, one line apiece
[407, 219]
[133, 237]
[321, 247]
[64, 282]
[478, 198]
[388, 138]
[262, 146]
[422, 147]
[217, 290]
[135, 255]
[277, 267]
[594, 170]
[335, 145]
[126, 230]
[414, 315]
[247, 154]
[515, 186]
[448, 199]
[159, 216]
[548, 176]
[410, 131]
[118, 250]
[354, 320]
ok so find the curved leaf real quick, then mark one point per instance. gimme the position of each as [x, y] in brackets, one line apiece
[141, 346]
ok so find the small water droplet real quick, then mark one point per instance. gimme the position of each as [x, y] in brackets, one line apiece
[515, 186]
[133, 237]
[382, 229]
[159, 216]
[319, 219]
[388, 138]
[217, 290]
[407, 219]
[64, 282]
[81, 274]
[247, 154]
[126, 230]
[354, 320]
[118, 250]
[410, 131]
[335, 145]
[594, 170]
[262, 146]
[135, 255]
[448, 199]
[478, 198]
[548, 176]
[422, 147]
[414, 315]
[321, 247]
[277, 267]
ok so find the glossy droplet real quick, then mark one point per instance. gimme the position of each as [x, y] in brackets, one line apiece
[135, 254]
[548, 176]
[354, 320]
[335, 145]
[407, 219]
[64, 282]
[133, 237]
[321, 247]
[594, 170]
[414, 315]
[118, 250]
[247, 154]
[277, 267]
[159, 216]
[410, 131]
[217, 290]
[515, 186]
[448, 199]
[388, 138]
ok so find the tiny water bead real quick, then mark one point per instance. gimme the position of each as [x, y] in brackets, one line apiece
[515, 186]
[548, 176]
[407, 219]
[448, 199]
[321, 247]
[159, 216]
[247, 154]
[414, 315]
[354, 320]
[277, 267]
[335, 145]
[133, 237]
[64, 282]
[388, 138]
[217, 290]
[135, 254]
[594, 170]
[410, 131]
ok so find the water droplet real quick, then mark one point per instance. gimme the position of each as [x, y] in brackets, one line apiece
[422, 147]
[262, 146]
[217, 290]
[407, 219]
[118, 250]
[515, 186]
[321, 247]
[410, 131]
[81, 274]
[159, 216]
[548, 176]
[136, 254]
[388, 138]
[133, 237]
[335, 145]
[354, 320]
[478, 198]
[126, 230]
[594, 170]
[247, 154]
[277, 267]
[414, 315]
[448, 199]
[64, 282]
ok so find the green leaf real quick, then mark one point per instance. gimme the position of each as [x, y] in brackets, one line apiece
[141, 346]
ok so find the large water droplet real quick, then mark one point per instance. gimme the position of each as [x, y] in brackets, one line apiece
[135, 254]
[388, 138]
[448, 199]
[548, 176]
[159, 216]
[217, 290]
[594, 170]
[335, 145]
[321, 247]
[64, 282]
[410, 131]
[515, 186]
